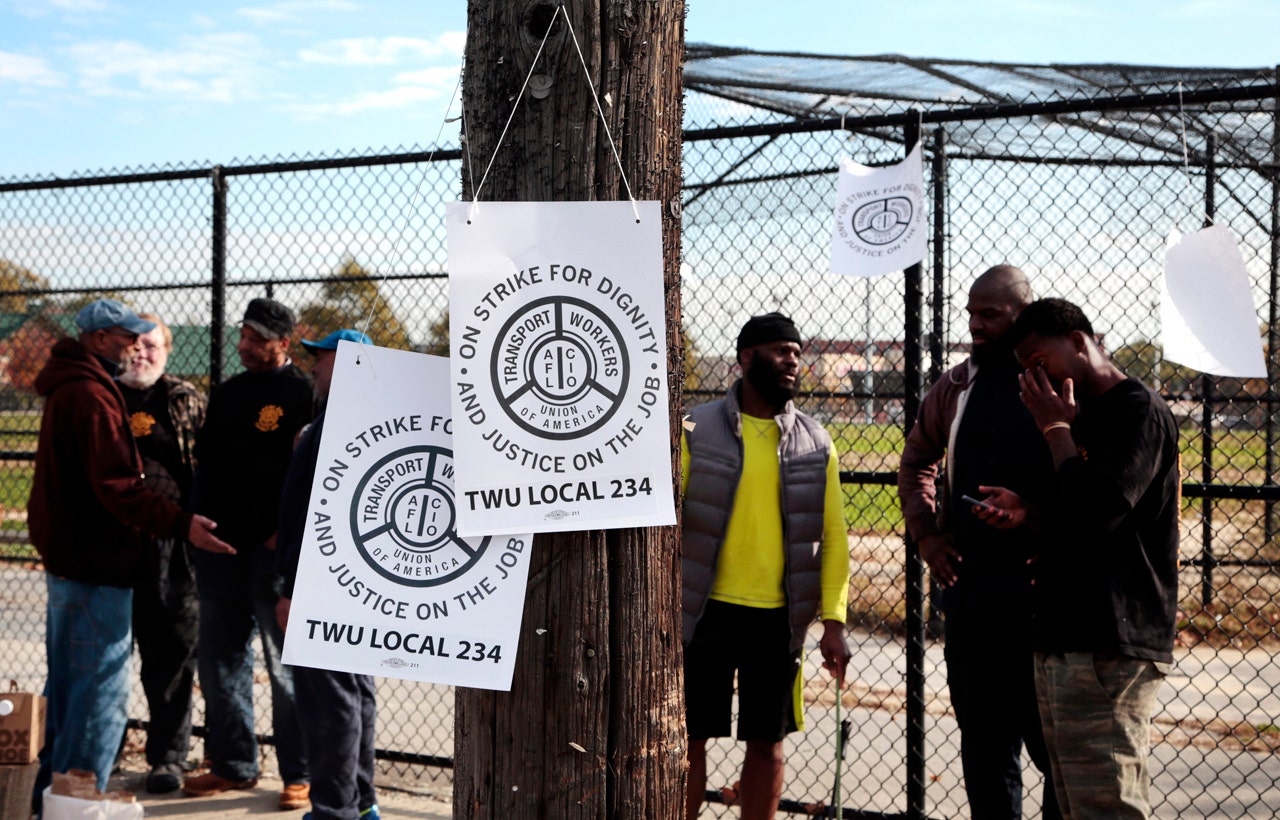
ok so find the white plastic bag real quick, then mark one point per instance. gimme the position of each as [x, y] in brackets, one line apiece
[60, 807]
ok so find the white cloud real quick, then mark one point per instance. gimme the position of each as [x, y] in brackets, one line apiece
[1023, 10]
[1214, 10]
[216, 67]
[441, 77]
[402, 97]
[41, 8]
[409, 88]
[363, 51]
[292, 10]
[24, 70]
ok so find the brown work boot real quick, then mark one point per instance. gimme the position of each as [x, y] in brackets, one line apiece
[295, 796]
[209, 783]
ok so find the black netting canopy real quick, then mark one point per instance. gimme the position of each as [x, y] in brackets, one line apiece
[727, 84]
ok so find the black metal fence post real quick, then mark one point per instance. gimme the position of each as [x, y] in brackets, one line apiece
[1206, 426]
[914, 570]
[1273, 316]
[218, 279]
[938, 308]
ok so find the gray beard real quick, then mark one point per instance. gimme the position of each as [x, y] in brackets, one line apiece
[136, 380]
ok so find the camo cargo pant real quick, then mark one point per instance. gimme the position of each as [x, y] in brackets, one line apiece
[1096, 710]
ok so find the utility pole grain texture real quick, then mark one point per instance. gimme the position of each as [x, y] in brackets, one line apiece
[593, 726]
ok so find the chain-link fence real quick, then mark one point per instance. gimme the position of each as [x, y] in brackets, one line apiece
[1080, 192]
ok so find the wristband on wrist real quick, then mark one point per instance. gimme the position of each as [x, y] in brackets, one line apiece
[1054, 426]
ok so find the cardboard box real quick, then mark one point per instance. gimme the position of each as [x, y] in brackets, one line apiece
[21, 727]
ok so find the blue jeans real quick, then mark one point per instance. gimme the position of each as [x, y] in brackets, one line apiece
[341, 709]
[237, 593]
[88, 643]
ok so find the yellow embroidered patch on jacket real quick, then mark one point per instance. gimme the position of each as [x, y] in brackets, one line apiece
[141, 424]
[269, 418]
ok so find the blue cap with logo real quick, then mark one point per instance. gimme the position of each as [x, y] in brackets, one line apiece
[330, 342]
[102, 314]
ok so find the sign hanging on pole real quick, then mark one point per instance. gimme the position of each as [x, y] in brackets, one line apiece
[386, 585]
[878, 226]
[559, 366]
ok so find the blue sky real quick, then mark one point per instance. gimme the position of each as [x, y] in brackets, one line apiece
[88, 85]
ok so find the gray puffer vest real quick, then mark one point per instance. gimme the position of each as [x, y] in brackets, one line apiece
[715, 465]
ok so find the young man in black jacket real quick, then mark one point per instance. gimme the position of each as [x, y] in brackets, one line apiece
[1107, 578]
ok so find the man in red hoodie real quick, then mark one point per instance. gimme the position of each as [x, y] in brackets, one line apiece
[87, 515]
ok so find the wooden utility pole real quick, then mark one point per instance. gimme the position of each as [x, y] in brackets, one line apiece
[593, 726]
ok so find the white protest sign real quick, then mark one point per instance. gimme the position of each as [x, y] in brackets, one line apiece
[1208, 321]
[878, 224]
[559, 366]
[385, 585]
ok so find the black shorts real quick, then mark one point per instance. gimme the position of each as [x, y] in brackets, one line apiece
[754, 643]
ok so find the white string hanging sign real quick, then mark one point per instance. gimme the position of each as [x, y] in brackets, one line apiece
[1208, 320]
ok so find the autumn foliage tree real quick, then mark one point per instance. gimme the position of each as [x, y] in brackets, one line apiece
[350, 298]
[13, 279]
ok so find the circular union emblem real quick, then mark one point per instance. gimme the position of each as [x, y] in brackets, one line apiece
[403, 517]
[559, 367]
[882, 221]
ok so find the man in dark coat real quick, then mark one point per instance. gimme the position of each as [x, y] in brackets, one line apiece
[87, 514]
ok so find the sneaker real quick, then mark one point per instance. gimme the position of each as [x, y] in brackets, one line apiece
[295, 796]
[209, 783]
[371, 813]
[165, 778]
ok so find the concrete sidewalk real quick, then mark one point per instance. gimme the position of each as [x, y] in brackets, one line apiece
[261, 802]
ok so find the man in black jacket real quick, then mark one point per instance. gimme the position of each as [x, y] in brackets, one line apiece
[243, 453]
[1107, 579]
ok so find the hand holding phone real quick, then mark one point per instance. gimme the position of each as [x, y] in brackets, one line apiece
[975, 502]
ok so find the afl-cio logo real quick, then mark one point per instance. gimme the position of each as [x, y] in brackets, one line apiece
[882, 221]
[403, 517]
[559, 367]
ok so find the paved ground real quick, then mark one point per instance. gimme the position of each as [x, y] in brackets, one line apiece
[1206, 764]
[395, 804]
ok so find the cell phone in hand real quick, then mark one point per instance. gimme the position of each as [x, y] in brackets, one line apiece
[968, 499]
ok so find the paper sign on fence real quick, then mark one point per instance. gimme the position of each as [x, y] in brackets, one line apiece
[1208, 320]
[878, 225]
[558, 352]
[385, 584]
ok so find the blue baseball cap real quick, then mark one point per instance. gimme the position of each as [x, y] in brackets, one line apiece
[101, 314]
[330, 342]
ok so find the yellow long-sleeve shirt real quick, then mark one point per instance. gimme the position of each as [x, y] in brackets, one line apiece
[752, 558]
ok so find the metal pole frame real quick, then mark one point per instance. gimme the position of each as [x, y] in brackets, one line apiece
[1207, 399]
[218, 278]
[937, 337]
[1273, 332]
[915, 620]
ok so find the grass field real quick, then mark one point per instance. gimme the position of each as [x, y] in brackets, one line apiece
[1238, 458]
[1244, 605]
